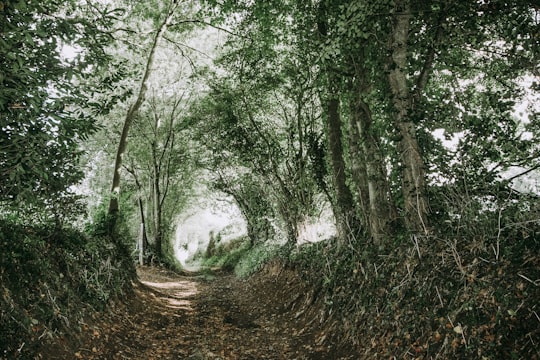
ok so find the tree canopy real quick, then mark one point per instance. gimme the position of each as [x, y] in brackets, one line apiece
[409, 122]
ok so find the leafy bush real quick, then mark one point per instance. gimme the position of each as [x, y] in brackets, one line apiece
[254, 258]
[50, 278]
[227, 259]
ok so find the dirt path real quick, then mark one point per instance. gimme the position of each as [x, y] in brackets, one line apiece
[201, 318]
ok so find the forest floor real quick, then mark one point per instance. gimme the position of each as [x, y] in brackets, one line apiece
[206, 316]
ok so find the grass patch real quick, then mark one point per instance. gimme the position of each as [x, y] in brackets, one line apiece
[227, 260]
[255, 258]
[242, 258]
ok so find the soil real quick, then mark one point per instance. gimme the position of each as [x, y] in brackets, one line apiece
[208, 316]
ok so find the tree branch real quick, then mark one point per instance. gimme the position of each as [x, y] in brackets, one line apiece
[205, 23]
[523, 173]
[427, 68]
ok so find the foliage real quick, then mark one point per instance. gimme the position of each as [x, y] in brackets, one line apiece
[468, 291]
[227, 257]
[240, 256]
[335, 99]
[262, 138]
[44, 115]
[256, 258]
[160, 164]
[464, 75]
[50, 279]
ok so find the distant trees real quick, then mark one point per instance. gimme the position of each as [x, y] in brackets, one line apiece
[147, 127]
[160, 163]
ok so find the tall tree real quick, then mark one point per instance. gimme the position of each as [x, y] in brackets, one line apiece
[138, 101]
[413, 173]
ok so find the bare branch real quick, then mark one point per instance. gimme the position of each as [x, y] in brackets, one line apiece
[206, 24]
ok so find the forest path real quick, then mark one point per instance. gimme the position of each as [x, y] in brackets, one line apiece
[203, 317]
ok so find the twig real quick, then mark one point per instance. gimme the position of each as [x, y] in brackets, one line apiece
[523, 173]
[463, 335]
[532, 341]
[457, 258]
[451, 322]
[484, 260]
[416, 246]
[535, 283]
[497, 251]
[439, 295]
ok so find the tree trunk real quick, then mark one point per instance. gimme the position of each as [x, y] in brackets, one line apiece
[132, 113]
[140, 243]
[143, 240]
[373, 180]
[158, 235]
[413, 172]
[358, 166]
[346, 219]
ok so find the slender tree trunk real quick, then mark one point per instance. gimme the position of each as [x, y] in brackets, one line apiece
[413, 172]
[158, 236]
[373, 180]
[346, 219]
[358, 166]
[133, 110]
[143, 240]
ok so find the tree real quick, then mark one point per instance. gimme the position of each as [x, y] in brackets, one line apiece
[43, 96]
[414, 190]
[135, 106]
[160, 160]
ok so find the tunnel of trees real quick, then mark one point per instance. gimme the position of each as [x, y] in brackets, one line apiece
[414, 123]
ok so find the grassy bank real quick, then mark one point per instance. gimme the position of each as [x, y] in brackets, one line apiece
[50, 279]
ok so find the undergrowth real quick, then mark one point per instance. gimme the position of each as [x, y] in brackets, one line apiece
[432, 297]
[240, 257]
[50, 279]
[254, 259]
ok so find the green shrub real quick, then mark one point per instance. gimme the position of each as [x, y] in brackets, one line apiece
[226, 259]
[50, 278]
[255, 258]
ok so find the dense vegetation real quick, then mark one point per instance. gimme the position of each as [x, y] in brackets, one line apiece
[52, 281]
[415, 124]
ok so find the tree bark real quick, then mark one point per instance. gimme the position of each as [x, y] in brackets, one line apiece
[413, 173]
[156, 188]
[132, 113]
[373, 184]
[346, 218]
[142, 241]
[358, 166]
